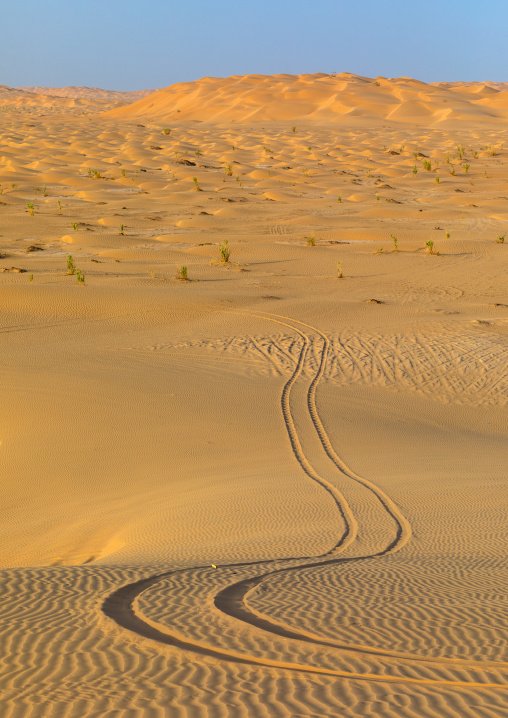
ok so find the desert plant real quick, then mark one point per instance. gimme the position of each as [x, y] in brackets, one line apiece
[339, 198]
[466, 168]
[267, 149]
[500, 239]
[71, 267]
[311, 241]
[448, 235]
[90, 171]
[97, 174]
[475, 154]
[228, 169]
[31, 278]
[339, 270]
[224, 251]
[80, 276]
[166, 131]
[437, 179]
[31, 208]
[395, 242]
[59, 207]
[121, 229]
[182, 272]
[123, 173]
[430, 245]
[415, 170]
[452, 171]
[44, 191]
[427, 164]
[197, 153]
[380, 250]
[74, 226]
[196, 184]
[293, 128]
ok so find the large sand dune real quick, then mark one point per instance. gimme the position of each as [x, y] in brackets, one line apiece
[319, 97]
[267, 490]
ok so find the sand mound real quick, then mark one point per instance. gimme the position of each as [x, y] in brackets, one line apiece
[317, 97]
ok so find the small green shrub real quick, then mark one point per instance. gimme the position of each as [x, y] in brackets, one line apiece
[71, 267]
[74, 226]
[311, 241]
[339, 270]
[395, 242]
[166, 131]
[31, 208]
[225, 251]
[430, 246]
[196, 184]
[182, 272]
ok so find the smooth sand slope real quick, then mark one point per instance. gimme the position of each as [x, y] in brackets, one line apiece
[335, 446]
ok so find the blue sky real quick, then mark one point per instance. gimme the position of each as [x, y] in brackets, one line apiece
[136, 44]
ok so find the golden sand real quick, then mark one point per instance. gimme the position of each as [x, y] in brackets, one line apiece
[266, 490]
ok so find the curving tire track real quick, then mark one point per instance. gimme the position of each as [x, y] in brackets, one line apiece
[122, 605]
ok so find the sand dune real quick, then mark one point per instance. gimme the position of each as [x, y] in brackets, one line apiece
[335, 446]
[89, 93]
[319, 97]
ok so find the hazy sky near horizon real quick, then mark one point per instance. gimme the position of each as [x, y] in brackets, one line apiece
[134, 44]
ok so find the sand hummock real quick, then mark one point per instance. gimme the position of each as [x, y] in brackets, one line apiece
[266, 489]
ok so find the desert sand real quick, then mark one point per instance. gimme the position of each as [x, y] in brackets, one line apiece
[276, 487]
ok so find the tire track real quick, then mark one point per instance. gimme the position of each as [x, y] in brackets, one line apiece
[123, 605]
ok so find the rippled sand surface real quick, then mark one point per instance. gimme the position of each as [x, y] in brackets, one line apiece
[266, 490]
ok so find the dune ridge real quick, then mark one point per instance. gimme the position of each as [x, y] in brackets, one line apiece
[319, 98]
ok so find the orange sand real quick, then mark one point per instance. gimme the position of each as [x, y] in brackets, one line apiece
[335, 446]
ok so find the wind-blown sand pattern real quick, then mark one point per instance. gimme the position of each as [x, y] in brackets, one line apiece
[335, 447]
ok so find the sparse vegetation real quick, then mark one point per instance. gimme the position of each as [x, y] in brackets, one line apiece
[181, 272]
[311, 241]
[123, 173]
[466, 168]
[80, 276]
[427, 164]
[121, 229]
[500, 239]
[395, 242]
[339, 270]
[228, 169]
[430, 246]
[196, 184]
[437, 179]
[415, 170]
[71, 267]
[339, 198]
[166, 131]
[31, 278]
[293, 128]
[31, 208]
[448, 235]
[59, 207]
[225, 251]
